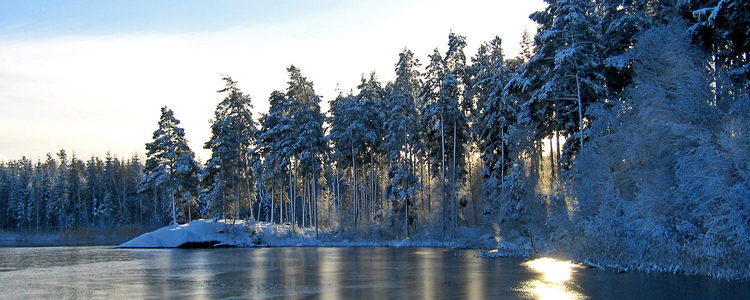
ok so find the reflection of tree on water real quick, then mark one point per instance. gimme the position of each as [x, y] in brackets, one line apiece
[555, 283]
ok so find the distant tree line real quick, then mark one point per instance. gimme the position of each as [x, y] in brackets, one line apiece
[617, 135]
[67, 192]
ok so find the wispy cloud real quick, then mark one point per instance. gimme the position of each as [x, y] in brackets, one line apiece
[93, 93]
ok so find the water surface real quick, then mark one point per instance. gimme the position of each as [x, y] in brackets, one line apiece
[326, 273]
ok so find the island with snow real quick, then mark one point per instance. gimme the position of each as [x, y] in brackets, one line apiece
[239, 233]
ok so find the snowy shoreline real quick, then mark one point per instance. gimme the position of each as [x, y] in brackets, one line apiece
[226, 233]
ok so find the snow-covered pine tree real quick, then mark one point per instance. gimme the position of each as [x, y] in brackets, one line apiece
[47, 173]
[563, 78]
[722, 28]
[275, 144]
[5, 189]
[20, 193]
[94, 189]
[310, 145]
[347, 128]
[170, 169]
[106, 207]
[497, 117]
[403, 142]
[57, 207]
[227, 178]
[372, 99]
[445, 119]
[620, 23]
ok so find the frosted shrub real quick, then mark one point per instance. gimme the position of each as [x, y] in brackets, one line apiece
[661, 186]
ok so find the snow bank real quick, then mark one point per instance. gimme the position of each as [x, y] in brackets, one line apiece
[226, 233]
[201, 233]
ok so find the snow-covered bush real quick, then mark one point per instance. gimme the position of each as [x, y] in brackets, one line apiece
[662, 185]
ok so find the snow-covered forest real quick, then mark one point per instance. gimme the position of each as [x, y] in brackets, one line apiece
[618, 136]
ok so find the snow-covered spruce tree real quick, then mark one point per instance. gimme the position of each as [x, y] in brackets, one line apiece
[67, 190]
[403, 141]
[227, 179]
[356, 133]
[620, 22]
[170, 171]
[5, 188]
[564, 77]
[346, 131]
[310, 145]
[722, 28]
[506, 148]
[372, 99]
[496, 112]
[444, 118]
[19, 194]
[275, 145]
[94, 189]
[35, 195]
[487, 72]
[659, 186]
[44, 176]
[104, 209]
[133, 173]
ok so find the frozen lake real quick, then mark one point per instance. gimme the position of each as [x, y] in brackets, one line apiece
[326, 273]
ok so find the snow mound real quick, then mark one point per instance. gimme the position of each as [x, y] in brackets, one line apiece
[202, 233]
[228, 233]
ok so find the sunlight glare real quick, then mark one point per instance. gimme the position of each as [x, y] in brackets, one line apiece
[554, 270]
[555, 282]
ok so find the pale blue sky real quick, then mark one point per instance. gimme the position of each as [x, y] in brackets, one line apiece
[90, 76]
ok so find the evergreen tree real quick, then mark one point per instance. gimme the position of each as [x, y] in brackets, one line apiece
[403, 141]
[371, 98]
[275, 145]
[5, 186]
[564, 78]
[95, 188]
[310, 145]
[497, 118]
[228, 174]
[170, 169]
[722, 28]
[346, 132]
[357, 132]
[20, 193]
[445, 119]
[57, 208]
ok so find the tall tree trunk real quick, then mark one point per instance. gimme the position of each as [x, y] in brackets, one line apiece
[551, 159]
[250, 199]
[291, 195]
[502, 164]
[442, 144]
[174, 215]
[580, 109]
[338, 191]
[281, 203]
[453, 182]
[305, 194]
[372, 186]
[355, 202]
[273, 194]
[559, 156]
[315, 206]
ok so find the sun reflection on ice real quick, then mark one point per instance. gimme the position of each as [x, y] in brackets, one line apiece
[554, 283]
